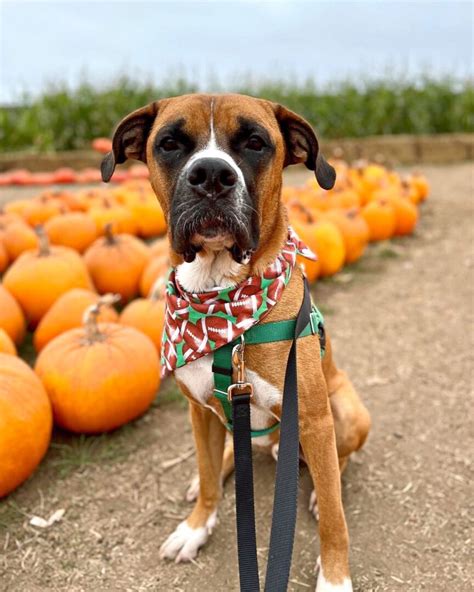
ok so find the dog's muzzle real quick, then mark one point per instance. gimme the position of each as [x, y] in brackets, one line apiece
[212, 204]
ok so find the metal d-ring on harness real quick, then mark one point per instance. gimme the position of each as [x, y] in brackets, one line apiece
[235, 399]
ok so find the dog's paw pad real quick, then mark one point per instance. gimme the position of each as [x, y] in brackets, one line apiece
[193, 490]
[184, 543]
[313, 505]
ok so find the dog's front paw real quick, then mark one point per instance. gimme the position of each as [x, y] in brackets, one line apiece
[323, 585]
[313, 505]
[184, 543]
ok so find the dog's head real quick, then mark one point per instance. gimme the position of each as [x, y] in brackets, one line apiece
[216, 166]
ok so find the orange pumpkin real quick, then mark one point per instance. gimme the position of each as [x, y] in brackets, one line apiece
[7, 218]
[116, 263]
[149, 216]
[380, 218]
[326, 241]
[147, 314]
[354, 230]
[406, 215]
[68, 199]
[17, 207]
[6, 344]
[157, 267]
[75, 230]
[345, 199]
[42, 209]
[38, 277]
[93, 197]
[18, 237]
[329, 247]
[121, 219]
[99, 376]
[314, 197]
[420, 184]
[411, 193]
[159, 247]
[12, 320]
[25, 422]
[305, 231]
[67, 313]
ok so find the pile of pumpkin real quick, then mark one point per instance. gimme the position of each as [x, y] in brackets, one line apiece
[368, 203]
[68, 176]
[68, 257]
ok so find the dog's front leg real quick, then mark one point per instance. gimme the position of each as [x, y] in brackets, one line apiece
[319, 447]
[209, 436]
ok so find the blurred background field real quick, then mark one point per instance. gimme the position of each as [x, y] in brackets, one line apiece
[64, 119]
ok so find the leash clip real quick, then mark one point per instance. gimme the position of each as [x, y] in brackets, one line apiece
[241, 387]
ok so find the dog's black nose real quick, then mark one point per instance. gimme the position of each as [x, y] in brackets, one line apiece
[211, 177]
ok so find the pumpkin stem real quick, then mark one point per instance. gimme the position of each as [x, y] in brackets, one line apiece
[91, 315]
[109, 235]
[43, 241]
[157, 289]
[352, 212]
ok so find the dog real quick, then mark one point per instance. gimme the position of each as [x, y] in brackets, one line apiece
[215, 164]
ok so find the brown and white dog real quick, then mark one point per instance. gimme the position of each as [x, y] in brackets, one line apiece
[216, 165]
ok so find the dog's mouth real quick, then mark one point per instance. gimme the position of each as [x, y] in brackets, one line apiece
[204, 225]
[213, 235]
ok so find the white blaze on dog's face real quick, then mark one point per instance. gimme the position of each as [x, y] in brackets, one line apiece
[216, 167]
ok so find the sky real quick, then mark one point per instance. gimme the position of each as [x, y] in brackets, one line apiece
[66, 41]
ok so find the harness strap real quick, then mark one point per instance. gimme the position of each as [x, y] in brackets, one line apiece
[261, 333]
[222, 370]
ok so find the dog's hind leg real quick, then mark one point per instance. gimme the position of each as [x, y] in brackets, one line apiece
[209, 435]
[227, 469]
[351, 418]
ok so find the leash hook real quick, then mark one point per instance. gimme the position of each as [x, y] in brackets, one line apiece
[238, 362]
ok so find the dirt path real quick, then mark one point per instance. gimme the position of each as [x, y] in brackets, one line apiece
[401, 323]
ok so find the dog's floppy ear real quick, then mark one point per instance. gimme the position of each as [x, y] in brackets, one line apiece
[129, 139]
[302, 146]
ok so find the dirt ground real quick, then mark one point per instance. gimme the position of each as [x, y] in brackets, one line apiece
[401, 324]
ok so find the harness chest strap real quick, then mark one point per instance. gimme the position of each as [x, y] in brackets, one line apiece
[261, 333]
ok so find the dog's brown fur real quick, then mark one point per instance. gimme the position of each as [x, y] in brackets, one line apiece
[333, 421]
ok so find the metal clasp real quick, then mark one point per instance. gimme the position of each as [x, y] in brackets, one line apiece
[238, 362]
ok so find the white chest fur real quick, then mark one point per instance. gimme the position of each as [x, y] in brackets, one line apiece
[198, 379]
[208, 270]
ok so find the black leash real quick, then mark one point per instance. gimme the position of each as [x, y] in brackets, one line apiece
[286, 482]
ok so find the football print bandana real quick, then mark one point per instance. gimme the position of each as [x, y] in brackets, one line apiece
[198, 323]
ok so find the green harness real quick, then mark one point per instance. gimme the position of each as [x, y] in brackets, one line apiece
[260, 333]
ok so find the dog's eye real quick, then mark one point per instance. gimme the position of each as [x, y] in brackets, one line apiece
[255, 143]
[169, 144]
